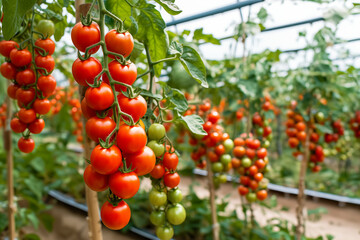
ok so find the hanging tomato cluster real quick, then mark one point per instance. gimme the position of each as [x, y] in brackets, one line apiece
[32, 84]
[355, 124]
[3, 108]
[112, 119]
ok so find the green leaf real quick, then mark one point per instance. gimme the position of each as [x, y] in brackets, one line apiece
[47, 220]
[34, 185]
[31, 236]
[323, 128]
[193, 64]
[247, 87]
[194, 123]
[177, 98]
[169, 6]
[14, 13]
[33, 219]
[199, 35]
[262, 15]
[152, 95]
[134, 26]
[3, 221]
[38, 164]
[175, 48]
[120, 8]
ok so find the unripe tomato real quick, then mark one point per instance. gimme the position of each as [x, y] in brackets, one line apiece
[246, 162]
[229, 145]
[157, 217]
[225, 159]
[157, 148]
[46, 27]
[217, 167]
[165, 232]
[176, 214]
[157, 198]
[251, 197]
[156, 131]
[175, 195]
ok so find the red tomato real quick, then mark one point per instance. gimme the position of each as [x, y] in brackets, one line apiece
[253, 184]
[121, 73]
[47, 44]
[94, 180]
[42, 106]
[213, 117]
[99, 128]
[239, 142]
[36, 126]
[27, 115]
[239, 151]
[243, 190]
[25, 96]
[116, 217]
[85, 71]
[25, 77]
[220, 149]
[205, 107]
[158, 171]
[26, 145]
[258, 176]
[131, 139]
[135, 107]
[106, 160]
[250, 153]
[17, 126]
[260, 163]
[207, 126]
[99, 98]
[8, 70]
[122, 43]
[124, 185]
[212, 156]
[20, 58]
[261, 195]
[261, 153]
[267, 131]
[87, 111]
[253, 170]
[142, 162]
[85, 36]
[47, 84]
[46, 62]
[171, 180]
[170, 161]
[6, 47]
[12, 89]
[245, 180]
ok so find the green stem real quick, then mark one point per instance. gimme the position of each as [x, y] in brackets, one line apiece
[165, 60]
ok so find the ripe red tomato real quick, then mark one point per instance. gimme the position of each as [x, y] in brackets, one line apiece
[215, 137]
[253, 170]
[12, 89]
[25, 77]
[300, 126]
[301, 136]
[47, 44]
[261, 195]
[121, 73]
[239, 141]
[142, 162]
[26, 145]
[99, 98]
[171, 180]
[106, 160]
[267, 131]
[27, 115]
[245, 180]
[122, 43]
[253, 184]
[239, 151]
[207, 126]
[8, 70]
[261, 153]
[17, 126]
[158, 171]
[293, 142]
[94, 180]
[135, 107]
[25, 96]
[36, 126]
[250, 153]
[6, 47]
[260, 163]
[85, 71]
[220, 149]
[46, 62]
[42, 106]
[99, 128]
[87, 111]
[124, 185]
[170, 161]
[116, 217]
[85, 36]
[213, 117]
[212, 156]
[47, 84]
[131, 139]
[20, 57]
[257, 120]
[243, 190]
[258, 176]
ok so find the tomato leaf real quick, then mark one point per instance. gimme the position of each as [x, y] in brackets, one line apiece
[60, 28]
[169, 6]
[194, 123]
[152, 95]
[199, 35]
[175, 48]
[14, 12]
[323, 128]
[176, 98]
[193, 64]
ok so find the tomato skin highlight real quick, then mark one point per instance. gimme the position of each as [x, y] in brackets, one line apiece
[94, 180]
[116, 217]
[131, 139]
[124, 185]
[85, 71]
[122, 43]
[141, 162]
[106, 160]
[85, 36]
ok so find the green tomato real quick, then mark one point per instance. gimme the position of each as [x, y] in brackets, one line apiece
[270, 137]
[175, 195]
[343, 157]
[263, 184]
[266, 144]
[228, 144]
[157, 218]
[222, 178]
[165, 232]
[260, 131]
[319, 117]
[157, 148]
[311, 164]
[327, 152]
[333, 151]
[157, 198]
[176, 214]
[179, 78]
[251, 197]
[267, 168]
[246, 162]
[217, 167]
[225, 159]
[156, 131]
[266, 123]
[46, 27]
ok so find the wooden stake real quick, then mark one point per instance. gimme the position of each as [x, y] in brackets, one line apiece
[92, 202]
[10, 164]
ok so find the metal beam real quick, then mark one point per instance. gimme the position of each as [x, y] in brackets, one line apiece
[214, 11]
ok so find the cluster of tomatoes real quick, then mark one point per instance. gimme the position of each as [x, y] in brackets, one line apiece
[29, 89]
[355, 124]
[338, 131]
[121, 154]
[3, 108]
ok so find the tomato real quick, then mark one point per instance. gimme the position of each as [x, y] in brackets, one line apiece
[157, 198]
[260, 163]
[121, 73]
[316, 168]
[99, 128]
[6, 47]
[25, 77]
[106, 160]
[135, 107]
[220, 149]
[205, 107]
[27, 115]
[46, 62]
[99, 98]
[8, 70]
[131, 139]
[257, 120]
[239, 142]
[259, 131]
[20, 57]
[142, 162]
[293, 142]
[267, 131]
[25, 96]
[243, 190]
[157, 148]
[239, 151]
[116, 217]
[217, 167]
[157, 217]
[251, 197]
[12, 89]
[42, 106]
[47, 84]
[235, 162]
[175, 195]
[250, 153]
[85, 36]
[253, 184]
[291, 132]
[253, 170]
[254, 144]
[36, 126]
[213, 117]
[225, 159]
[228, 144]
[158, 171]
[215, 137]
[207, 126]
[122, 43]
[171, 180]
[301, 136]
[261, 195]
[300, 126]
[84, 72]
[47, 44]
[17, 126]
[170, 161]
[258, 177]
[94, 180]
[176, 214]
[124, 185]
[246, 162]
[156, 131]
[261, 153]
[87, 111]
[165, 232]
[26, 145]
[46, 27]
[319, 117]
